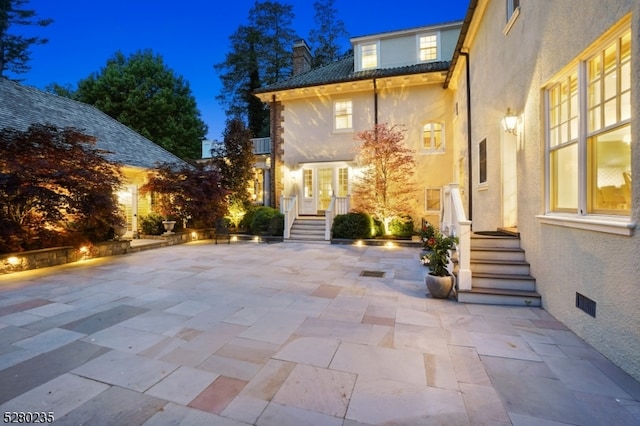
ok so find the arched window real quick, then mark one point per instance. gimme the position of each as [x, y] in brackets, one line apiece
[433, 136]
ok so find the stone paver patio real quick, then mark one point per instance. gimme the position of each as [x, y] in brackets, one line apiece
[288, 334]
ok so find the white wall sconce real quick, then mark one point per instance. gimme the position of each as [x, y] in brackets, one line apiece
[510, 122]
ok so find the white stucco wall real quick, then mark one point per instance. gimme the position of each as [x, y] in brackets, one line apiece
[510, 71]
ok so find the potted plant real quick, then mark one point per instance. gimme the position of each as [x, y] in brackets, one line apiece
[439, 281]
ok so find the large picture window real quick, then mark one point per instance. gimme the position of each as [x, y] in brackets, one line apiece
[589, 133]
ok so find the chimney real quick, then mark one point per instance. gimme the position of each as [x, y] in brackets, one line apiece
[301, 57]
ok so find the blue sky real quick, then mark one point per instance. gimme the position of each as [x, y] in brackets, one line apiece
[191, 36]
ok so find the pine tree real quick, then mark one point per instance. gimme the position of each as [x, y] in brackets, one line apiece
[325, 38]
[14, 48]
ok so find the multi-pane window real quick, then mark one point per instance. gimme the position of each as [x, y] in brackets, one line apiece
[428, 47]
[589, 133]
[307, 183]
[343, 115]
[433, 136]
[432, 199]
[343, 182]
[369, 56]
[482, 162]
[512, 6]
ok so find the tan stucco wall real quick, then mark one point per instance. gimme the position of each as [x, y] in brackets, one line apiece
[309, 136]
[510, 71]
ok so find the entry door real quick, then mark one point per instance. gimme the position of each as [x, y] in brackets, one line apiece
[325, 188]
[308, 201]
[509, 181]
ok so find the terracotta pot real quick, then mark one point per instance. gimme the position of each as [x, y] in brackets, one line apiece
[439, 287]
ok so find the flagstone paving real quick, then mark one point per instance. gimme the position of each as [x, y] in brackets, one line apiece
[288, 334]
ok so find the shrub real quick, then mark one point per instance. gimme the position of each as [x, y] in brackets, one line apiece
[378, 227]
[276, 225]
[352, 225]
[401, 227]
[261, 219]
[151, 224]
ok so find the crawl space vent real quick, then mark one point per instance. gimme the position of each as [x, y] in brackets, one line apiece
[585, 304]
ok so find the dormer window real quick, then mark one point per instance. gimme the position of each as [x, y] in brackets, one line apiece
[432, 137]
[369, 56]
[427, 47]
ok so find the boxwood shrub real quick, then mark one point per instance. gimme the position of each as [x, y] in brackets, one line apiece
[352, 226]
[401, 227]
[261, 219]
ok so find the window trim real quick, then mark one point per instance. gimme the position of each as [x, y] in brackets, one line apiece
[360, 56]
[442, 148]
[512, 15]
[426, 199]
[337, 129]
[437, 36]
[483, 184]
[583, 217]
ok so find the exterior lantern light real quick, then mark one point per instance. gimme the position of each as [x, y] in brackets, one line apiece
[510, 122]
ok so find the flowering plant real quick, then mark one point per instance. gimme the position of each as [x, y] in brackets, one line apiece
[427, 233]
[440, 246]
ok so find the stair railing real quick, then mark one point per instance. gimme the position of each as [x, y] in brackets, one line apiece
[289, 208]
[455, 223]
[338, 205]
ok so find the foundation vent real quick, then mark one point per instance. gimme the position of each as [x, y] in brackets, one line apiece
[585, 304]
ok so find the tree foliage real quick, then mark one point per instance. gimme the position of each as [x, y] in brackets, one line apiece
[325, 37]
[234, 159]
[385, 187]
[55, 187]
[14, 48]
[260, 54]
[141, 92]
[192, 195]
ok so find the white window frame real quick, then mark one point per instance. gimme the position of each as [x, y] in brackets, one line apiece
[513, 11]
[432, 149]
[340, 112]
[427, 199]
[582, 218]
[362, 57]
[419, 49]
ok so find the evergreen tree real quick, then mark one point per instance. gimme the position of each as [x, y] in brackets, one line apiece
[325, 38]
[260, 55]
[141, 92]
[14, 48]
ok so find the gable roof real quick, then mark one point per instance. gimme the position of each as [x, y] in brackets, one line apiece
[22, 106]
[343, 71]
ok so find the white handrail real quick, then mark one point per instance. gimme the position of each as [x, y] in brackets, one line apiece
[289, 208]
[455, 222]
[338, 205]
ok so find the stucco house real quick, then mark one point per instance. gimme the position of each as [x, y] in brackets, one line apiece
[395, 78]
[22, 106]
[539, 141]
[563, 174]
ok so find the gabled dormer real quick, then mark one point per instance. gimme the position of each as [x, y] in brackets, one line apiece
[406, 47]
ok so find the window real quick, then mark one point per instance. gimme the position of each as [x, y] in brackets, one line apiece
[428, 48]
[433, 137]
[482, 160]
[369, 56]
[589, 133]
[307, 183]
[432, 199]
[513, 6]
[343, 115]
[343, 182]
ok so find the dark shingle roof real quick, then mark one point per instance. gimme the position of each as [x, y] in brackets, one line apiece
[22, 106]
[342, 71]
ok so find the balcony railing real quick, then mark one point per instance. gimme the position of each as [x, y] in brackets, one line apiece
[261, 145]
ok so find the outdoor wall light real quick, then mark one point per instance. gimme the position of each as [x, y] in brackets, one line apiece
[510, 122]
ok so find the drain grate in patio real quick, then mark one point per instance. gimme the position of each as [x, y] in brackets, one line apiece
[374, 274]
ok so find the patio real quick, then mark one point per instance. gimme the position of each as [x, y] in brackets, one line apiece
[287, 334]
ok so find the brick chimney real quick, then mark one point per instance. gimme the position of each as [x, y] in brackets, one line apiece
[301, 57]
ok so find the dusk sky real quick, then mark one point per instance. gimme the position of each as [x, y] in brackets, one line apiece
[191, 36]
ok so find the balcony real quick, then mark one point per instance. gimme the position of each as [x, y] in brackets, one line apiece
[261, 146]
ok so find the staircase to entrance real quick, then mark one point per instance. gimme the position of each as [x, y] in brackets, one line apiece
[308, 229]
[500, 273]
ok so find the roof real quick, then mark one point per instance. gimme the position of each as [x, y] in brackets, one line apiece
[343, 71]
[22, 106]
[473, 4]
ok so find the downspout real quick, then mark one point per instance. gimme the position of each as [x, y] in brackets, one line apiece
[469, 139]
[375, 102]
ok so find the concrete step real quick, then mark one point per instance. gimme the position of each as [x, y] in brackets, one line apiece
[503, 282]
[505, 267]
[500, 297]
[497, 253]
[306, 240]
[484, 241]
